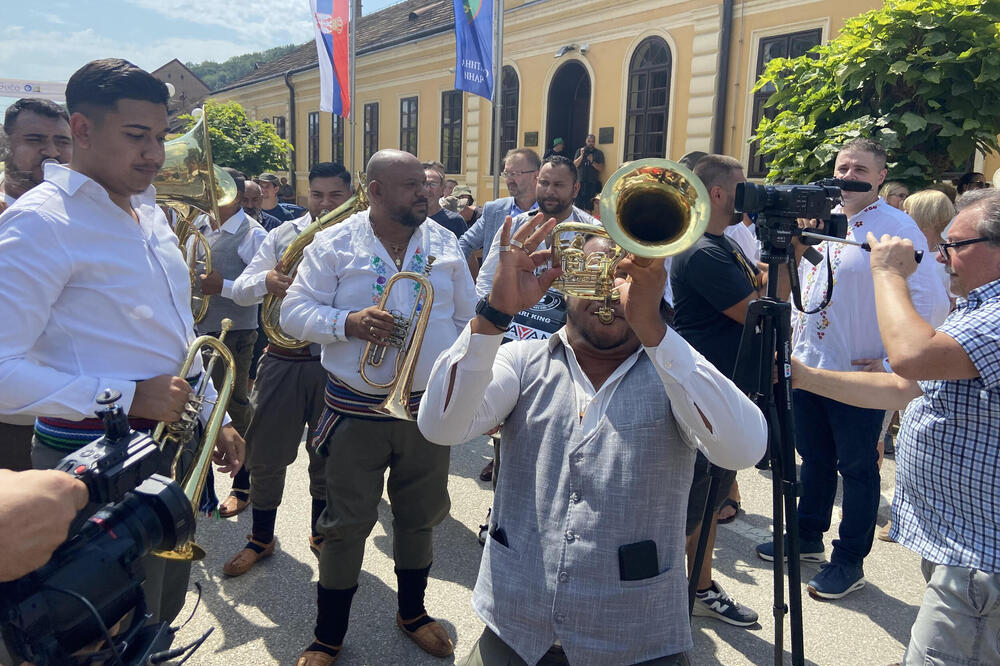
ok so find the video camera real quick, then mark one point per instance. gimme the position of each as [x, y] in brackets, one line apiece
[778, 207]
[95, 578]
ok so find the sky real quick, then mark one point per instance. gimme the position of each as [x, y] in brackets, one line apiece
[49, 41]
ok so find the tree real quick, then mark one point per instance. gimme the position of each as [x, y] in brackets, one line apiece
[251, 146]
[216, 74]
[922, 77]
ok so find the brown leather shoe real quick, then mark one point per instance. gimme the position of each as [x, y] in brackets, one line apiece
[431, 637]
[317, 658]
[231, 506]
[883, 533]
[243, 561]
[315, 544]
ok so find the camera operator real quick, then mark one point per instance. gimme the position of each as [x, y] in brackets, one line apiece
[832, 436]
[36, 507]
[589, 161]
[949, 439]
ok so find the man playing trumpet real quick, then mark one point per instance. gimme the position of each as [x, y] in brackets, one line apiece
[585, 559]
[334, 302]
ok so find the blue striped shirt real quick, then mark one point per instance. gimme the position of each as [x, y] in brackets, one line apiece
[947, 506]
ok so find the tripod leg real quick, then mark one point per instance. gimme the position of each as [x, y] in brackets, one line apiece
[706, 528]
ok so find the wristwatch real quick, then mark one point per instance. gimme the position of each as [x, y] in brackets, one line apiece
[489, 313]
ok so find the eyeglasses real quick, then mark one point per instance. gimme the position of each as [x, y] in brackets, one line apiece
[512, 174]
[944, 247]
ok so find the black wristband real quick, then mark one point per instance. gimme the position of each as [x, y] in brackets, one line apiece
[489, 313]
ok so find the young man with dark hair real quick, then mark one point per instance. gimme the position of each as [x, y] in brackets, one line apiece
[269, 187]
[589, 160]
[234, 242]
[37, 130]
[288, 392]
[96, 292]
[832, 437]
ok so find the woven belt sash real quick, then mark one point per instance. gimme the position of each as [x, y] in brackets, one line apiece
[343, 401]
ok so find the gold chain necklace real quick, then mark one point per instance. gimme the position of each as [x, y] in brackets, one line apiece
[396, 251]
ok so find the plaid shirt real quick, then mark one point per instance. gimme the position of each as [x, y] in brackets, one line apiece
[947, 506]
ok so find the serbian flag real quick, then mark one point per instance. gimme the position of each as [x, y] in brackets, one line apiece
[332, 21]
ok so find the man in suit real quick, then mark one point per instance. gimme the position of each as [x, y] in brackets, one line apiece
[521, 166]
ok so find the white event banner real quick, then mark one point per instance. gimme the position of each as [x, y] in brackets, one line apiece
[18, 88]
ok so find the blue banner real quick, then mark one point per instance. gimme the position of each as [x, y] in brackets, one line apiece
[474, 47]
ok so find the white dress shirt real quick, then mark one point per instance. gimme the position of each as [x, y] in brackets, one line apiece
[487, 388]
[746, 237]
[91, 299]
[247, 248]
[847, 329]
[250, 288]
[344, 270]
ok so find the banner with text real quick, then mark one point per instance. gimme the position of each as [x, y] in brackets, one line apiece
[474, 47]
[331, 19]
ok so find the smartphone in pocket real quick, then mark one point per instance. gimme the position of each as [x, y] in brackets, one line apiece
[638, 561]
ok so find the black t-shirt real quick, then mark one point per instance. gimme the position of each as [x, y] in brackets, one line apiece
[453, 222]
[711, 276]
[588, 174]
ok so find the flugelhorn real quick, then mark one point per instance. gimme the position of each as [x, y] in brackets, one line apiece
[650, 208]
[407, 336]
[270, 311]
[173, 437]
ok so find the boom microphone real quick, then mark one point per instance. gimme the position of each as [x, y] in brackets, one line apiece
[845, 185]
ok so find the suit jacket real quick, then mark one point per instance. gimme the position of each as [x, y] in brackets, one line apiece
[480, 235]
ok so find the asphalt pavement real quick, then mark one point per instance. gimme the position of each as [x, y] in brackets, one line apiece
[267, 615]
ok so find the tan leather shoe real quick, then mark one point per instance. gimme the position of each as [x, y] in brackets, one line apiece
[243, 561]
[883, 533]
[231, 506]
[431, 637]
[317, 658]
[316, 544]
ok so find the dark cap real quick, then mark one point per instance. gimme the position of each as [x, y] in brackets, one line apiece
[268, 177]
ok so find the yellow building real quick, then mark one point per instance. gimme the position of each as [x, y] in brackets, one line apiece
[643, 75]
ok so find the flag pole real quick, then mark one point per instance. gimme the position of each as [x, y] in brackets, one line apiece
[497, 95]
[353, 21]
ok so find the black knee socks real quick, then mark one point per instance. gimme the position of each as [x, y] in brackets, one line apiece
[263, 525]
[411, 584]
[318, 505]
[334, 611]
[241, 484]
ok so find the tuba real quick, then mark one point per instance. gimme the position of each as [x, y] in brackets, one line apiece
[650, 208]
[407, 336]
[190, 184]
[270, 311]
[172, 437]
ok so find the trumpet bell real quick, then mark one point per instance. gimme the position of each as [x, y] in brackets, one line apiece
[654, 208]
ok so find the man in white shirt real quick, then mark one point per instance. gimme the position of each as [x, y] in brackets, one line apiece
[833, 437]
[288, 393]
[334, 302]
[96, 292]
[598, 420]
[234, 244]
[37, 130]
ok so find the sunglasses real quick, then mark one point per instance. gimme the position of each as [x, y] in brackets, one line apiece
[943, 248]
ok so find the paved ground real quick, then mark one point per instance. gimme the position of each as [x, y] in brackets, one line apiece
[266, 616]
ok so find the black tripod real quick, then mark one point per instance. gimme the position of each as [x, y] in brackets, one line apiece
[766, 340]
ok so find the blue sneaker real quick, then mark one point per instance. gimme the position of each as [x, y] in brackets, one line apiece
[835, 581]
[809, 551]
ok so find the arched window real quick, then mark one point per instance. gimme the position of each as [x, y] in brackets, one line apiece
[509, 96]
[648, 93]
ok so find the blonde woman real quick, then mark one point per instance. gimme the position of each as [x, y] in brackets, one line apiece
[932, 210]
[894, 193]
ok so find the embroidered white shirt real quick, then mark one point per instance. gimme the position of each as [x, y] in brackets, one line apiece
[346, 268]
[250, 288]
[91, 300]
[847, 329]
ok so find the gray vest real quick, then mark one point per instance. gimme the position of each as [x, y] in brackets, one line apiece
[283, 237]
[226, 259]
[566, 502]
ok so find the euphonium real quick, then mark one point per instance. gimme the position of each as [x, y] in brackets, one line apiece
[408, 336]
[172, 437]
[270, 311]
[650, 208]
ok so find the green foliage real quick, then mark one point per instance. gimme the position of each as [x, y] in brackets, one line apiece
[217, 75]
[252, 146]
[920, 76]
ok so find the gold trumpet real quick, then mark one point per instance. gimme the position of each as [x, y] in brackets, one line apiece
[408, 336]
[270, 311]
[650, 208]
[174, 436]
